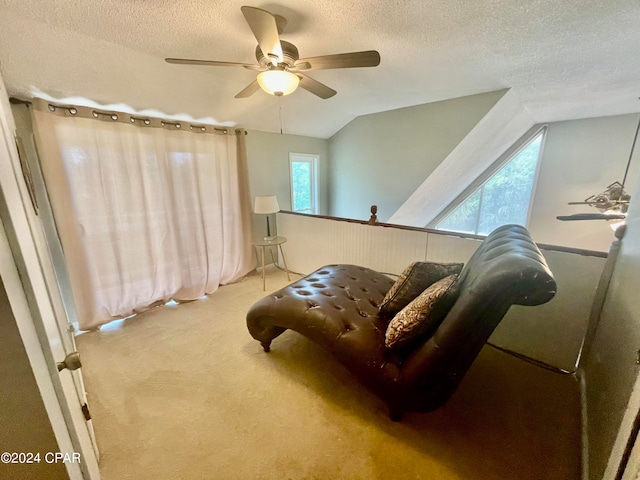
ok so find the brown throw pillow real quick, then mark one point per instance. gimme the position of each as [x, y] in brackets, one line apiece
[415, 278]
[423, 315]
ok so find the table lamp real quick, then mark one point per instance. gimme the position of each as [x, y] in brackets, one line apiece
[266, 205]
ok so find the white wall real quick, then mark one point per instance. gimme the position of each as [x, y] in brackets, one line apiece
[581, 158]
[383, 157]
[268, 161]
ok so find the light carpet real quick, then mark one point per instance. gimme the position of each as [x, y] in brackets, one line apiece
[184, 392]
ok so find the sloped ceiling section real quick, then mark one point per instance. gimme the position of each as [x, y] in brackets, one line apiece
[570, 59]
[501, 127]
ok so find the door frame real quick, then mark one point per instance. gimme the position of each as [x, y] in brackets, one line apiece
[22, 275]
[626, 448]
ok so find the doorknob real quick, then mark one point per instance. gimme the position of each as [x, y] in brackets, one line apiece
[70, 362]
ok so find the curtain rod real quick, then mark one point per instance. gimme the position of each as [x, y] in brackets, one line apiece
[19, 101]
[136, 120]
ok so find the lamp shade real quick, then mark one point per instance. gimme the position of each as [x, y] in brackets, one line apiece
[266, 204]
[278, 82]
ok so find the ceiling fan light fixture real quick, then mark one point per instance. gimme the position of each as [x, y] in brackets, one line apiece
[278, 82]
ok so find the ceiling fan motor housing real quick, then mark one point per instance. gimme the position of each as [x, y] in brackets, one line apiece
[289, 52]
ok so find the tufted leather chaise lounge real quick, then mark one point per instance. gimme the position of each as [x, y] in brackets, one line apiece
[337, 308]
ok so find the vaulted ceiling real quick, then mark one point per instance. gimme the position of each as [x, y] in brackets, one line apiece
[569, 59]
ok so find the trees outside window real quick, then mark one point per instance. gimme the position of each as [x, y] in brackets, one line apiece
[303, 182]
[503, 198]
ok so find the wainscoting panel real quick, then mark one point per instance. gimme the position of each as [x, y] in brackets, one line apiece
[447, 248]
[314, 242]
[551, 333]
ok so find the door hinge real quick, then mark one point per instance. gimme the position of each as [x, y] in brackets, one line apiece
[85, 412]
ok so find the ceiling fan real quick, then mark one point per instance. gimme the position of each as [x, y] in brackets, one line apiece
[612, 203]
[280, 66]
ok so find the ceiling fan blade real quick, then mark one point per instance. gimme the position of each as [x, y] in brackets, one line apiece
[249, 90]
[592, 216]
[265, 29]
[212, 63]
[369, 58]
[315, 87]
[299, 67]
[257, 68]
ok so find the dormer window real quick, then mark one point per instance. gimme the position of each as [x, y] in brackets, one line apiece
[502, 195]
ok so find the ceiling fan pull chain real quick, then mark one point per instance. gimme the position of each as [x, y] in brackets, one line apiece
[280, 112]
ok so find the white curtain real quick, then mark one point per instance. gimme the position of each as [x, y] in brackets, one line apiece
[145, 214]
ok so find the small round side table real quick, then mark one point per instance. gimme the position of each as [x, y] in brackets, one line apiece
[268, 242]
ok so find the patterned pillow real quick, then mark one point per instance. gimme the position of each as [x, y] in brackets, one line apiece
[423, 315]
[415, 278]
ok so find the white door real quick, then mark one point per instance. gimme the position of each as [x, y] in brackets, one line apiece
[24, 267]
[51, 257]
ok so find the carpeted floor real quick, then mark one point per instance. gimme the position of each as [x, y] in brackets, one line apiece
[184, 392]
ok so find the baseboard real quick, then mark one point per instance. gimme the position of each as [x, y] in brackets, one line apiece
[267, 268]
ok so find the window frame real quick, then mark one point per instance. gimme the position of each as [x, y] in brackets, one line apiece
[484, 177]
[312, 159]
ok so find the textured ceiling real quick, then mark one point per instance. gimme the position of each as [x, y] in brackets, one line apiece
[564, 59]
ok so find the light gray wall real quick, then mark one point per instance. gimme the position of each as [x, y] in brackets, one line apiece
[581, 158]
[268, 162]
[611, 370]
[24, 425]
[268, 159]
[383, 157]
[553, 332]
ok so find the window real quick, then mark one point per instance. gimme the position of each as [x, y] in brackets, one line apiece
[503, 198]
[304, 187]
